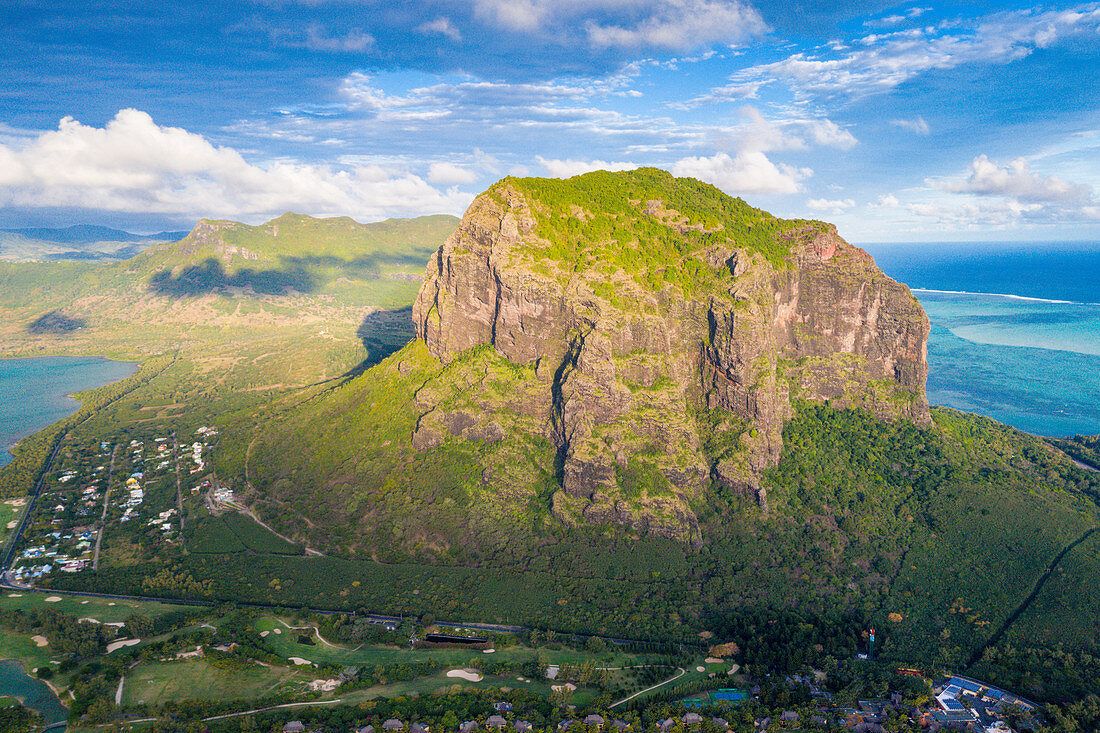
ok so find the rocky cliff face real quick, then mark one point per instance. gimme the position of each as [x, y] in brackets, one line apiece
[667, 353]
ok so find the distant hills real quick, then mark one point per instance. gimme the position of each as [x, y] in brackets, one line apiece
[77, 242]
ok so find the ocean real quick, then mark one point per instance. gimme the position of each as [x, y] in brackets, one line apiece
[34, 392]
[1015, 329]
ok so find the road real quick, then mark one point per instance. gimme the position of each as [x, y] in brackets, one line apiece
[106, 499]
[179, 490]
[9, 556]
[673, 678]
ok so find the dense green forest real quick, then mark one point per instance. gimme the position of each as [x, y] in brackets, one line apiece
[871, 524]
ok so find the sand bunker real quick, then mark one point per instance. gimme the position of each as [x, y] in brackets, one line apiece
[299, 660]
[84, 603]
[488, 651]
[53, 599]
[116, 645]
[568, 687]
[700, 669]
[40, 640]
[90, 620]
[264, 633]
[15, 595]
[12, 523]
[277, 631]
[112, 603]
[734, 668]
[470, 675]
[324, 685]
[713, 660]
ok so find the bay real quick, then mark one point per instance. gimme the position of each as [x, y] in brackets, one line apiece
[1015, 329]
[35, 391]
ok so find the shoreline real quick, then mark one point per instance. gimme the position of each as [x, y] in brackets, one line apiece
[6, 454]
[62, 701]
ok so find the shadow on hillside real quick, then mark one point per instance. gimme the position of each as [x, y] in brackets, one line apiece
[210, 276]
[55, 323]
[382, 334]
[363, 267]
[302, 274]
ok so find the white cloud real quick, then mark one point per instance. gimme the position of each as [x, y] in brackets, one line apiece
[759, 133]
[627, 24]
[682, 25]
[835, 206]
[884, 61]
[570, 168]
[449, 173]
[443, 26]
[134, 165]
[749, 171]
[725, 93]
[354, 41]
[888, 201]
[975, 216]
[896, 19]
[916, 125]
[826, 132]
[1015, 180]
[515, 15]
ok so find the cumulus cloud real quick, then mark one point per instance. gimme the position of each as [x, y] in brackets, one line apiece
[749, 171]
[134, 165]
[888, 201]
[760, 133]
[443, 26]
[449, 173]
[916, 125]
[1016, 180]
[681, 25]
[834, 206]
[569, 168]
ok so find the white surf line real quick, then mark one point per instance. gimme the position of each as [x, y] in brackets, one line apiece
[654, 687]
[1000, 295]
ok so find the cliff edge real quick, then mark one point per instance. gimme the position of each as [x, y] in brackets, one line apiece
[669, 328]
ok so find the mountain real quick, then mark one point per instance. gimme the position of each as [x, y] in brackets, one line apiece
[292, 252]
[604, 349]
[90, 234]
[644, 302]
[636, 407]
[77, 242]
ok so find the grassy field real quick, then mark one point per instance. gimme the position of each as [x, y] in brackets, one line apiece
[24, 649]
[101, 609]
[10, 512]
[197, 679]
[285, 643]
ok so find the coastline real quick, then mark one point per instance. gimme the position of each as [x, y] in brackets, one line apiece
[57, 405]
[22, 666]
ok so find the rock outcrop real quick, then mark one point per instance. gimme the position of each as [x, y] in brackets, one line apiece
[655, 379]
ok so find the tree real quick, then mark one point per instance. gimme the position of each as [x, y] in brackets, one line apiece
[596, 645]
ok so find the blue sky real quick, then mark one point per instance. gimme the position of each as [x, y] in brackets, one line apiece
[913, 121]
